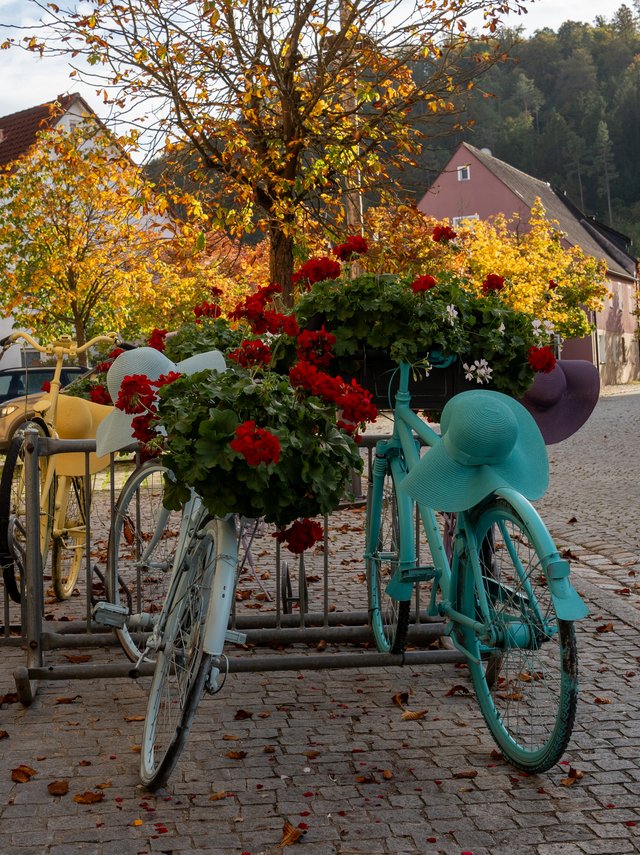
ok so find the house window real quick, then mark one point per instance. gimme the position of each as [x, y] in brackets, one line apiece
[464, 173]
[458, 221]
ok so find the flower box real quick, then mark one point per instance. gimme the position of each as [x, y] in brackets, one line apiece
[375, 371]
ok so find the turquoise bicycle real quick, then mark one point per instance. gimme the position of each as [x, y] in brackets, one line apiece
[497, 576]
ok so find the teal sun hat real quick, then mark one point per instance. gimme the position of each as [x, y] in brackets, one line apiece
[489, 440]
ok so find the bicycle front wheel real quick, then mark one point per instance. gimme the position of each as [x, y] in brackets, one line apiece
[68, 546]
[13, 525]
[142, 546]
[389, 617]
[181, 669]
[526, 680]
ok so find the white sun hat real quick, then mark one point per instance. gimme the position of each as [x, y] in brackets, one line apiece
[116, 432]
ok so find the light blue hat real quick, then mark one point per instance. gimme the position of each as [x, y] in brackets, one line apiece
[489, 440]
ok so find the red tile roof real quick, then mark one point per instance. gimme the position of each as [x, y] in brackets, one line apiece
[18, 130]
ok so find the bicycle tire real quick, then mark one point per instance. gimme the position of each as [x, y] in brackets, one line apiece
[13, 512]
[142, 543]
[182, 666]
[389, 617]
[68, 548]
[527, 690]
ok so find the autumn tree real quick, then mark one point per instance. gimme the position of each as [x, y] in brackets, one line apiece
[295, 105]
[85, 245]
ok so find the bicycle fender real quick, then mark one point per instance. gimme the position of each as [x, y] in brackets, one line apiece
[568, 603]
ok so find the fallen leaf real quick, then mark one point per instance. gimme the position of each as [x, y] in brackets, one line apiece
[312, 754]
[243, 595]
[242, 714]
[572, 521]
[456, 690]
[466, 773]
[88, 798]
[84, 763]
[365, 779]
[387, 774]
[321, 645]
[413, 715]
[236, 755]
[229, 737]
[573, 776]
[134, 718]
[67, 700]
[599, 700]
[136, 749]
[22, 774]
[215, 797]
[104, 786]
[9, 698]
[623, 592]
[58, 788]
[567, 553]
[605, 627]
[137, 822]
[269, 749]
[290, 834]
[264, 714]
[4, 734]
[78, 657]
[400, 698]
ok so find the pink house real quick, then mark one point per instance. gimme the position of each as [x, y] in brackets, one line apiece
[476, 185]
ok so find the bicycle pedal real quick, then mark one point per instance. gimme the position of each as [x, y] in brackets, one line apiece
[417, 574]
[235, 637]
[110, 614]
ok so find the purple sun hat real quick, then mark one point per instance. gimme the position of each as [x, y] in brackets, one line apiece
[562, 401]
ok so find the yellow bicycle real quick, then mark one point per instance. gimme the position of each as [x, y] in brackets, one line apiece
[63, 488]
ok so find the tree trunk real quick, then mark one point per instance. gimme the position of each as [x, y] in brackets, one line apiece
[281, 261]
[81, 338]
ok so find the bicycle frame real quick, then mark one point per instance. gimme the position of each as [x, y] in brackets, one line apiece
[407, 429]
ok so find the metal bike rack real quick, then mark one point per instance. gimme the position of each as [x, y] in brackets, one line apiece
[41, 636]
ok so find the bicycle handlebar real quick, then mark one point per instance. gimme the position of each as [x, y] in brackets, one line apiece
[64, 345]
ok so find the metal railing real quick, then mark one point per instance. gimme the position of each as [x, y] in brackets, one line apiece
[286, 620]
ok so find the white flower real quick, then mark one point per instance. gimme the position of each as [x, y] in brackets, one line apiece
[501, 328]
[452, 312]
[480, 371]
[468, 371]
[549, 326]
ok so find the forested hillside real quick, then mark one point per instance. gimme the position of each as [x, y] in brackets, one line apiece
[565, 108]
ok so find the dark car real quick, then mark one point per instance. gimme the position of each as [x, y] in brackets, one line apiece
[20, 388]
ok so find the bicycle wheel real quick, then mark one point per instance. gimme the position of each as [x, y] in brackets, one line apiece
[389, 617]
[13, 529]
[526, 681]
[68, 547]
[142, 545]
[180, 672]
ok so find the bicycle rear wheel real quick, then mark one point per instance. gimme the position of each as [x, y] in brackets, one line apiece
[13, 526]
[183, 670]
[69, 546]
[142, 546]
[526, 683]
[389, 617]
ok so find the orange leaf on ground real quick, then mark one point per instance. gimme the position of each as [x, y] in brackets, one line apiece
[456, 690]
[413, 715]
[67, 700]
[387, 774]
[605, 627]
[290, 834]
[22, 774]
[134, 718]
[599, 700]
[236, 755]
[88, 798]
[466, 773]
[58, 788]
[4, 734]
[573, 776]
[78, 657]
[242, 714]
[215, 797]
[229, 737]
[400, 698]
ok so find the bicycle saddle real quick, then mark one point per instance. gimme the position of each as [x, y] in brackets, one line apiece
[76, 418]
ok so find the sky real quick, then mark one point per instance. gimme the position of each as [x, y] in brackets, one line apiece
[27, 80]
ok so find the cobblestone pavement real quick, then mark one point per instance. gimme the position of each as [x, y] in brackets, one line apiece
[328, 750]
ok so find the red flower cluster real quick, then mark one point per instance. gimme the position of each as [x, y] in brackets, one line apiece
[300, 535]
[251, 353]
[165, 379]
[316, 270]
[99, 394]
[492, 282]
[316, 347]
[46, 386]
[157, 339]
[141, 427]
[354, 401]
[423, 283]
[136, 394]
[206, 310]
[542, 359]
[354, 245]
[443, 234]
[255, 444]
[114, 353]
[253, 310]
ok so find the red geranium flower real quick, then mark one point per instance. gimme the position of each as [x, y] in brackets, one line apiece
[206, 310]
[493, 282]
[99, 394]
[542, 359]
[46, 386]
[251, 353]
[256, 445]
[354, 245]
[316, 270]
[115, 352]
[136, 394]
[423, 283]
[315, 347]
[301, 535]
[157, 339]
[443, 234]
[166, 379]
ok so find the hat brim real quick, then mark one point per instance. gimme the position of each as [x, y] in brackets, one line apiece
[567, 415]
[443, 484]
